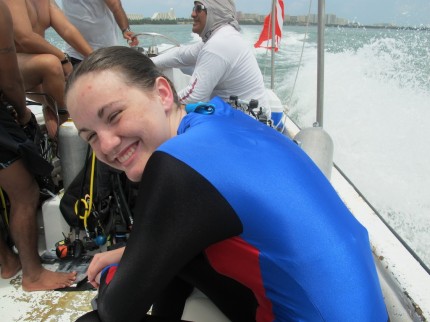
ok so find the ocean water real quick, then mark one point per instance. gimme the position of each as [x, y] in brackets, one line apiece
[376, 109]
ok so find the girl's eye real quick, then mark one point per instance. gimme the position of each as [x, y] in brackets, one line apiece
[113, 116]
[90, 137]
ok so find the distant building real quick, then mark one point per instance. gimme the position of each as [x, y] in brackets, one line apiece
[170, 15]
[134, 17]
[330, 19]
[249, 17]
[384, 25]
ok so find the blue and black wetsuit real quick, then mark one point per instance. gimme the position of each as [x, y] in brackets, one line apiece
[261, 213]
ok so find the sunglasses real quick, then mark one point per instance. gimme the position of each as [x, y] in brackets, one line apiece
[199, 8]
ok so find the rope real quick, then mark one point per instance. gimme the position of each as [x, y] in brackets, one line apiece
[301, 54]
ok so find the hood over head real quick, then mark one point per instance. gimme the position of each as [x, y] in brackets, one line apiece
[219, 13]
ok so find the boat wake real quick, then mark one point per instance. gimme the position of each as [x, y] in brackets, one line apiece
[376, 109]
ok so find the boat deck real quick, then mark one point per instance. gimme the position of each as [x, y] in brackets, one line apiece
[17, 305]
[55, 306]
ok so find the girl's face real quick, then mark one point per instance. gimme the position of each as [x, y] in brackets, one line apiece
[124, 125]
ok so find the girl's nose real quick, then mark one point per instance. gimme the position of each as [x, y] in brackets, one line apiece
[108, 143]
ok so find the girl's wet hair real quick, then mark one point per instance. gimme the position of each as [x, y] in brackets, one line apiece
[135, 68]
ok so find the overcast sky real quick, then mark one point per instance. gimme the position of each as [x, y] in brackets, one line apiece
[400, 12]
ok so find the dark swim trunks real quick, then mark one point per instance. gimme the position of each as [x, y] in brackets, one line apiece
[8, 124]
[14, 145]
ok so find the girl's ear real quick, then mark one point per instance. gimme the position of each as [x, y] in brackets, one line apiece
[165, 92]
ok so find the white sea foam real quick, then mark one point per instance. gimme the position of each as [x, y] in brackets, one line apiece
[377, 110]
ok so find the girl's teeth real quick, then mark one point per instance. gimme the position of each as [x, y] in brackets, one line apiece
[127, 155]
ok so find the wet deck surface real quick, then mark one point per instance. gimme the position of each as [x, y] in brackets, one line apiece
[53, 306]
[18, 305]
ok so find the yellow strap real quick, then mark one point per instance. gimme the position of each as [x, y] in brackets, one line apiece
[3, 203]
[88, 200]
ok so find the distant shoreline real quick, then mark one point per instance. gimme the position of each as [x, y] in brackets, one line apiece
[244, 23]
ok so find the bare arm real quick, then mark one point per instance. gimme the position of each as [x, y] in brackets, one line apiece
[28, 41]
[10, 78]
[121, 19]
[67, 30]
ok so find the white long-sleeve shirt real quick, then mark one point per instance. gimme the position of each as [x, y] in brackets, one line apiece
[225, 65]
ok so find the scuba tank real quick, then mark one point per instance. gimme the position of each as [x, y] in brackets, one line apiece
[73, 151]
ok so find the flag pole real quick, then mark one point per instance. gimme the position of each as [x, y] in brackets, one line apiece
[320, 62]
[272, 26]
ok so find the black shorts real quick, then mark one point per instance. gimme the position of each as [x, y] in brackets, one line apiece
[8, 124]
[14, 145]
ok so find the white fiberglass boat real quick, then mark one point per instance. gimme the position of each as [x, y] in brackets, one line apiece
[404, 278]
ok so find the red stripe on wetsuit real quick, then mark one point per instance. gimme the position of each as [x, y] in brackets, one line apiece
[237, 259]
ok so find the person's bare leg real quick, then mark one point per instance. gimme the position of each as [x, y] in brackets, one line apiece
[43, 72]
[9, 261]
[23, 193]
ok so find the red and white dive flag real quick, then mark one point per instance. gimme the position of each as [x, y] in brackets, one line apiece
[265, 40]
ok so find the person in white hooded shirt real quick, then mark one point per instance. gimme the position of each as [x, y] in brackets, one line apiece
[224, 64]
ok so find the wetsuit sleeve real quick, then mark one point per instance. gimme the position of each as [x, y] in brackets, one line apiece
[177, 215]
